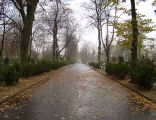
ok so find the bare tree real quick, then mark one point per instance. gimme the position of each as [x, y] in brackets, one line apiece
[96, 15]
[56, 20]
[111, 20]
[71, 41]
[4, 23]
[100, 15]
[27, 9]
[8, 23]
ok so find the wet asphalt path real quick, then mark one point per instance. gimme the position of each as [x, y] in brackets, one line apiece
[79, 93]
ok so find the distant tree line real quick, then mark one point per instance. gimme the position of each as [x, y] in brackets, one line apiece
[37, 29]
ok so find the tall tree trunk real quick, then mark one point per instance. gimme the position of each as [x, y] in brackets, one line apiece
[54, 42]
[30, 47]
[27, 12]
[107, 55]
[107, 42]
[2, 43]
[98, 18]
[99, 46]
[54, 49]
[135, 34]
[25, 39]
[55, 32]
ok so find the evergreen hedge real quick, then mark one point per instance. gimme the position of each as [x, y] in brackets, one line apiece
[143, 75]
[9, 74]
[120, 70]
[95, 65]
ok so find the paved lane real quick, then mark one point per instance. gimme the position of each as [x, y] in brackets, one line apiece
[79, 93]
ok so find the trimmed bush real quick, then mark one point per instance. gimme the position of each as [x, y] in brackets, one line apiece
[28, 70]
[120, 70]
[41, 67]
[9, 74]
[143, 76]
[95, 65]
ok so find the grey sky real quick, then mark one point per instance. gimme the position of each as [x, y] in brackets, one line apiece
[90, 34]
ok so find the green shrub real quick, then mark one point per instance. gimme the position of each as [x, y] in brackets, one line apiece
[41, 67]
[1, 74]
[95, 65]
[119, 70]
[143, 76]
[6, 61]
[28, 70]
[109, 69]
[9, 74]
